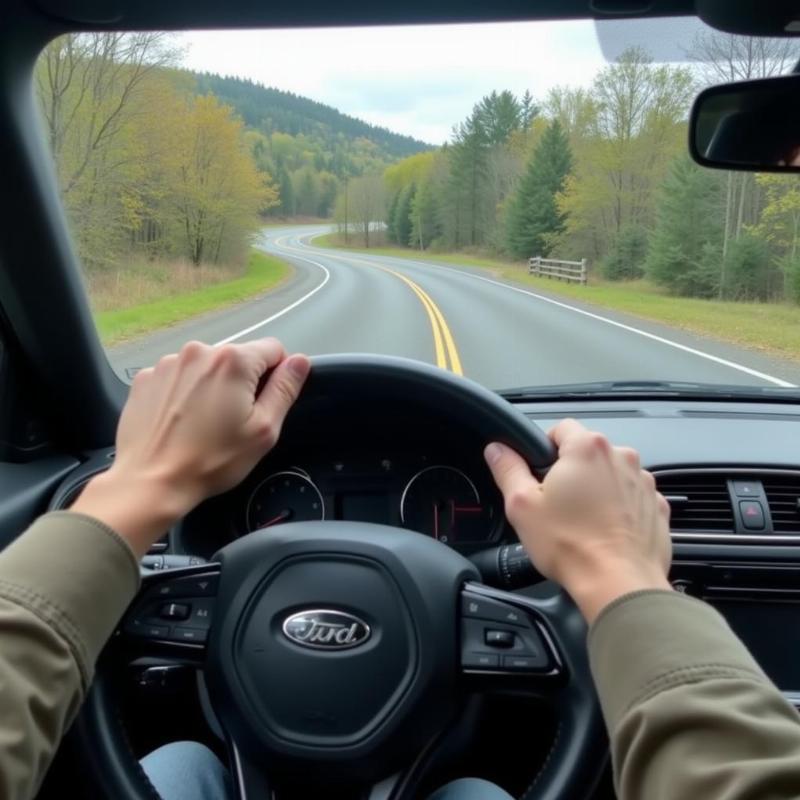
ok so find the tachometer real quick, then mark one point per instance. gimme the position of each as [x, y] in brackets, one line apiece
[443, 502]
[288, 496]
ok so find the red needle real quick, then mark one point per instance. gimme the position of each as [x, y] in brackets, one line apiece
[468, 509]
[436, 520]
[279, 518]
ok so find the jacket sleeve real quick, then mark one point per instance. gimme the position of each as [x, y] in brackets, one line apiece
[64, 584]
[689, 712]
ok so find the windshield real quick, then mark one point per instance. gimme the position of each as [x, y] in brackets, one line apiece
[514, 203]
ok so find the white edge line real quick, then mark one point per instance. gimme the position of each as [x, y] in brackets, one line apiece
[724, 361]
[283, 311]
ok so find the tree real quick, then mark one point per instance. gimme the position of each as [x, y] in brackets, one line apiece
[499, 115]
[218, 192]
[750, 275]
[685, 254]
[366, 205]
[638, 127]
[625, 259]
[402, 214]
[424, 217]
[391, 232]
[529, 110]
[533, 215]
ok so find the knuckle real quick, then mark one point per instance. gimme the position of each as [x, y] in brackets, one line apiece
[630, 455]
[192, 351]
[517, 502]
[267, 431]
[648, 480]
[165, 362]
[226, 355]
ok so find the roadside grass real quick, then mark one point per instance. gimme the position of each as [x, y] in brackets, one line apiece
[184, 299]
[771, 328]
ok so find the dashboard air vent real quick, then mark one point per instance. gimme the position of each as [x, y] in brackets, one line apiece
[700, 502]
[783, 498]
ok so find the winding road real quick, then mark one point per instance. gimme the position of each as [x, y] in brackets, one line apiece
[497, 332]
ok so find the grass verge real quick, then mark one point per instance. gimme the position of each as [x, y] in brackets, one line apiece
[771, 328]
[262, 273]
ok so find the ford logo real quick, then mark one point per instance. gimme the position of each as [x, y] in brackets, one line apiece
[325, 629]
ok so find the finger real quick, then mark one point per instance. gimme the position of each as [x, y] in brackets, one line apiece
[282, 388]
[261, 355]
[629, 456]
[509, 469]
[565, 431]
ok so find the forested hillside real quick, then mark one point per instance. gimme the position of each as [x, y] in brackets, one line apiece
[603, 174]
[272, 110]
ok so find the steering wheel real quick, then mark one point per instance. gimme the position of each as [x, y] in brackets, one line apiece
[337, 655]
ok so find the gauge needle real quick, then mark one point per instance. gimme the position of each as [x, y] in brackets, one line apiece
[282, 517]
[436, 520]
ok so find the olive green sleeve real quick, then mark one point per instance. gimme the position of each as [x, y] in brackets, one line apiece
[689, 712]
[64, 584]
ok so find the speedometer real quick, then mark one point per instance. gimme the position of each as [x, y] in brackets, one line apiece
[288, 496]
[443, 502]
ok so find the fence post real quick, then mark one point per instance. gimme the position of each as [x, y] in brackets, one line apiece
[583, 272]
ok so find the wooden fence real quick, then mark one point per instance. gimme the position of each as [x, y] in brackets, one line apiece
[572, 271]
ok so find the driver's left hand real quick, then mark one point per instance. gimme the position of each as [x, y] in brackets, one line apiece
[193, 426]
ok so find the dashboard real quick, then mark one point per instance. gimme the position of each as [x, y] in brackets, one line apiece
[425, 478]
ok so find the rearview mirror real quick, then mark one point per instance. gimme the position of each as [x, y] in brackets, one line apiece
[750, 125]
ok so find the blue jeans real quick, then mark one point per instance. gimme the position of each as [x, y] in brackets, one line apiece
[190, 771]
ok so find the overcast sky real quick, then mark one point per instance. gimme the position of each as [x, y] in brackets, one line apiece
[421, 80]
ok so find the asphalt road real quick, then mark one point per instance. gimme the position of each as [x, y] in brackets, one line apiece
[496, 332]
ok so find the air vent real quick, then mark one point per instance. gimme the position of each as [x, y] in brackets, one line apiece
[783, 496]
[700, 502]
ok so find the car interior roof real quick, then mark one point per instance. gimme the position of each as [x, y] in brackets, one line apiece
[732, 15]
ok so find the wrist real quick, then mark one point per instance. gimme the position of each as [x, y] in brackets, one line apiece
[140, 508]
[609, 580]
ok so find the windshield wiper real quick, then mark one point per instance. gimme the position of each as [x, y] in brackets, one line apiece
[652, 390]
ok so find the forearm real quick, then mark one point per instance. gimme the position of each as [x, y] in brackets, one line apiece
[64, 584]
[689, 712]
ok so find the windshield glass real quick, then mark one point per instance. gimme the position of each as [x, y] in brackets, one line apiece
[512, 202]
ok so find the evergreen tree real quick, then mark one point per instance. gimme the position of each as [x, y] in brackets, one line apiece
[533, 217]
[528, 110]
[749, 272]
[499, 116]
[625, 259]
[424, 217]
[685, 253]
[402, 214]
[286, 193]
[391, 230]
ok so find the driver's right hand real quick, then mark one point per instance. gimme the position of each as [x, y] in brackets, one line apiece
[595, 523]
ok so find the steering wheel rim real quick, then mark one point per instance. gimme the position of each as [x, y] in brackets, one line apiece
[578, 753]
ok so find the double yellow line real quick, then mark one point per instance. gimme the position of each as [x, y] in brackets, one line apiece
[443, 343]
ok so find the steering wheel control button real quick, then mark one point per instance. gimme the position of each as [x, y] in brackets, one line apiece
[752, 515]
[482, 608]
[524, 663]
[480, 661]
[500, 638]
[181, 633]
[175, 611]
[195, 586]
[147, 631]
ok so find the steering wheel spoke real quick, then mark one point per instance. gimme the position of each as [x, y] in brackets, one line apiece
[172, 614]
[504, 635]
